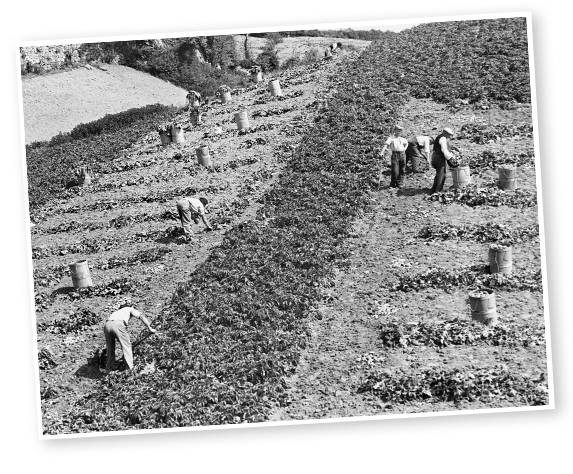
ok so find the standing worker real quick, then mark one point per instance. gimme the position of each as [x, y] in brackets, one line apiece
[193, 104]
[398, 147]
[418, 149]
[193, 97]
[190, 209]
[440, 156]
[116, 328]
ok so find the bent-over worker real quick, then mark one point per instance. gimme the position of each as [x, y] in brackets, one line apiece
[440, 155]
[116, 328]
[418, 149]
[398, 147]
[190, 209]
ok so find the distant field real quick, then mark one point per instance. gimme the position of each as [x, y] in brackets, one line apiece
[298, 45]
[58, 102]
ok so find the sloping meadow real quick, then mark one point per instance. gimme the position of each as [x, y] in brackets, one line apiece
[235, 330]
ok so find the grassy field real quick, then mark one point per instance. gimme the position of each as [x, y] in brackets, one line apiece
[55, 103]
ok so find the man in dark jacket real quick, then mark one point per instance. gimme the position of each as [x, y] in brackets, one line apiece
[441, 153]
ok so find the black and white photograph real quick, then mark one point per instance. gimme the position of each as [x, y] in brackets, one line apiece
[291, 225]
[332, 240]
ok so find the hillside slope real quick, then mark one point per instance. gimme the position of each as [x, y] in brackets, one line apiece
[58, 102]
[295, 46]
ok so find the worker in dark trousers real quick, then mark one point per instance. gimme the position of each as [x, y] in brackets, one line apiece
[397, 145]
[440, 156]
[193, 105]
[116, 328]
[418, 152]
[190, 210]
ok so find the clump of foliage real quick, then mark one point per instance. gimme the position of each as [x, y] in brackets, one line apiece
[459, 331]
[456, 385]
[479, 232]
[477, 275]
[490, 195]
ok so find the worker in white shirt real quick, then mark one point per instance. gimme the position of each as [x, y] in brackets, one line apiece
[417, 151]
[116, 328]
[440, 155]
[190, 209]
[397, 145]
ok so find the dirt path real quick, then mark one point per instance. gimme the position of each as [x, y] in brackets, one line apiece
[346, 346]
[253, 162]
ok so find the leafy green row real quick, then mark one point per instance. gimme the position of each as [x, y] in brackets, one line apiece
[477, 275]
[456, 385]
[490, 195]
[459, 331]
[479, 232]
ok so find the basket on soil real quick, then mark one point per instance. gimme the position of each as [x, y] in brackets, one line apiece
[196, 117]
[80, 274]
[507, 177]
[482, 305]
[461, 176]
[242, 120]
[165, 137]
[177, 133]
[275, 88]
[203, 157]
[500, 258]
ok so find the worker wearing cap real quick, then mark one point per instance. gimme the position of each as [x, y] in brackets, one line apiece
[116, 328]
[440, 155]
[398, 147]
[418, 150]
[190, 209]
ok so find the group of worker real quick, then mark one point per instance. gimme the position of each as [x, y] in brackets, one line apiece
[416, 150]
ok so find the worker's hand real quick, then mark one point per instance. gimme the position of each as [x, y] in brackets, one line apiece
[208, 228]
[152, 331]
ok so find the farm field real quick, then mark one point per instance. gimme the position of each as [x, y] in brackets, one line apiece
[298, 45]
[322, 292]
[97, 224]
